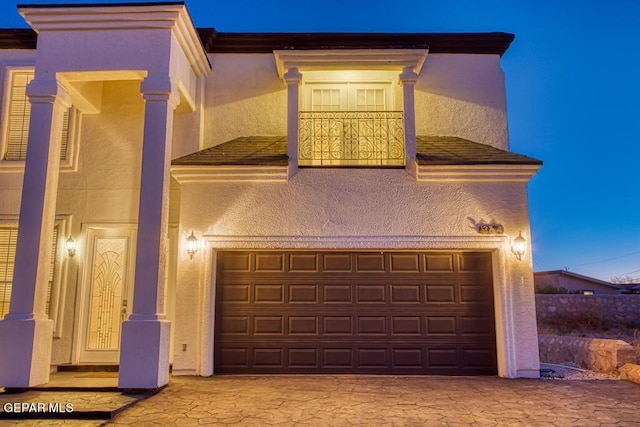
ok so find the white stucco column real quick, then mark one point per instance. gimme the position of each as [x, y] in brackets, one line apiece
[26, 332]
[408, 79]
[293, 78]
[144, 355]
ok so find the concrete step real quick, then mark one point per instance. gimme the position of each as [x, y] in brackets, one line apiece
[56, 404]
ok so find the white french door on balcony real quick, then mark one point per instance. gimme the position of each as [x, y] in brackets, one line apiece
[348, 97]
[350, 124]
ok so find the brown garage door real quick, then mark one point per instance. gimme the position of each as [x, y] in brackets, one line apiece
[365, 312]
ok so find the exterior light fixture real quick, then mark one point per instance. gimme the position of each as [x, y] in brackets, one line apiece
[192, 245]
[70, 246]
[519, 246]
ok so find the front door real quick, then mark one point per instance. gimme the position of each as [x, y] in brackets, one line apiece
[106, 292]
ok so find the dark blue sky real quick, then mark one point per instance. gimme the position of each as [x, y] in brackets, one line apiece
[573, 90]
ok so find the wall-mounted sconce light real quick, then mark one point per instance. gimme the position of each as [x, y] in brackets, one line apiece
[192, 245]
[70, 246]
[519, 246]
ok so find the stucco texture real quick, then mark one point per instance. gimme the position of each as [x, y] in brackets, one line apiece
[244, 97]
[359, 209]
[464, 96]
[455, 95]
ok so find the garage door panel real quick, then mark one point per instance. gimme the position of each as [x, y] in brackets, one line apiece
[441, 263]
[372, 325]
[303, 325]
[474, 294]
[237, 293]
[478, 358]
[338, 357]
[405, 263]
[306, 358]
[325, 312]
[406, 325]
[474, 262]
[338, 325]
[304, 263]
[403, 294]
[370, 263]
[303, 294]
[269, 263]
[234, 357]
[441, 326]
[337, 294]
[235, 325]
[268, 325]
[407, 358]
[268, 357]
[337, 263]
[268, 294]
[372, 358]
[368, 294]
[440, 294]
[442, 358]
[476, 325]
[236, 262]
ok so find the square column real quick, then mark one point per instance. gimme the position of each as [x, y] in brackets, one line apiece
[26, 332]
[408, 79]
[293, 79]
[144, 354]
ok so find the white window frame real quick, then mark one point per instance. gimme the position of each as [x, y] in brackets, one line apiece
[69, 164]
[60, 269]
[348, 90]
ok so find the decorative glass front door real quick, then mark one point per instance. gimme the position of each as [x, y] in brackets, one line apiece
[106, 295]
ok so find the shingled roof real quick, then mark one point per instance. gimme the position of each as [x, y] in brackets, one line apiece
[431, 150]
[451, 150]
[252, 150]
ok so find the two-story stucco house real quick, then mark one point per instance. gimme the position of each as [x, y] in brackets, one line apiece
[257, 203]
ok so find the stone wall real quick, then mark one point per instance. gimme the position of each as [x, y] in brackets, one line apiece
[600, 355]
[621, 309]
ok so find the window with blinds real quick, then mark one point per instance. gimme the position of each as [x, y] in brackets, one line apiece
[8, 239]
[19, 111]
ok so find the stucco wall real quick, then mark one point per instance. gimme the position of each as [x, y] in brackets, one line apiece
[359, 209]
[244, 97]
[456, 95]
[464, 96]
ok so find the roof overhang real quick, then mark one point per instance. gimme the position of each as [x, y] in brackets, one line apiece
[173, 16]
[475, 173]
[350, 59]
[204, 174]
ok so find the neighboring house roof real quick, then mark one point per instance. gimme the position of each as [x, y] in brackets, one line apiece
[451, 150]
[577, 276]
[214, 42]
[431, 150]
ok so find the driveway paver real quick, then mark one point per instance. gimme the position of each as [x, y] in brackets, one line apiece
[386, 401]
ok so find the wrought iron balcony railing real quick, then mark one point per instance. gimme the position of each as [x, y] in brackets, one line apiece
[351, 138]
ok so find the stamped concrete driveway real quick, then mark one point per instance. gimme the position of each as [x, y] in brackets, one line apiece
[386, 401]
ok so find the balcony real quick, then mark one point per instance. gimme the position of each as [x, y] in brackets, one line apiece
[351, 138]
